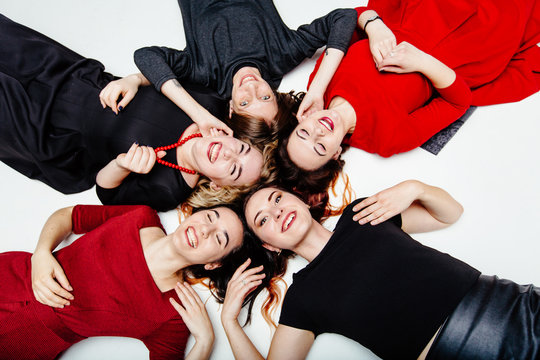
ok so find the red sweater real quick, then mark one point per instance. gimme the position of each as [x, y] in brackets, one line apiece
[398, 112]
[115, 294]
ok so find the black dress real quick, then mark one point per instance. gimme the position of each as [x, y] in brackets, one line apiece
[54, 129]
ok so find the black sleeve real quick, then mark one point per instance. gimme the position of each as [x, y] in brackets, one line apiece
[333, 30]
[159, 64]
[135, 190]
[293, 314]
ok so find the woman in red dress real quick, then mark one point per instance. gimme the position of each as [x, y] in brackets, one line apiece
[122, 274]
[417, 72]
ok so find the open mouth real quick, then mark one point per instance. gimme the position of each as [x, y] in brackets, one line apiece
[247, 78]
[192, 237]
[213, 151]
[327, 123]
[288, 221]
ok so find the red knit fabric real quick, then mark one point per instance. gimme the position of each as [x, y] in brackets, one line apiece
[491, 44]
[115, 294]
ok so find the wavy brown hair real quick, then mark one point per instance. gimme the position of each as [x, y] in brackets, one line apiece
[256, 130]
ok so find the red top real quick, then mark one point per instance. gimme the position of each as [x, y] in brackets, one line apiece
[115, 294]
[491, 44]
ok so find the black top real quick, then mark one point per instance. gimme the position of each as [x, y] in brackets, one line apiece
[377, 286]
[223, 36]
[54, 129]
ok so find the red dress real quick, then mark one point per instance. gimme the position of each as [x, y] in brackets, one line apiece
[491, 44]
[115, 294]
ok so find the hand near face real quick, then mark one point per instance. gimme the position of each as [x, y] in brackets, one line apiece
[138, 159]
[126, 87]
[193, 312]
[241, 284]
[312, 102]
[208, 122]
[49, 282]
[386, 204]
[404, 58]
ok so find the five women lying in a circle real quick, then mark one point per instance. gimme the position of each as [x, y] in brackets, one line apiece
[261, 194]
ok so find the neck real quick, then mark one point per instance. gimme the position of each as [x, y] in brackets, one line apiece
[315, 240]
[345, 111]
[184, 153]
[164, 262]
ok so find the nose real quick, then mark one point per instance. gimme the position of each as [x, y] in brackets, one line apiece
[319, 131]
[276, 213]
[207, 230]
[229, 153]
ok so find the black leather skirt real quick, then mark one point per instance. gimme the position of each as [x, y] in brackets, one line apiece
[497, 319]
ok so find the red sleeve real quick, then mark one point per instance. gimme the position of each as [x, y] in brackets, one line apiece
[169, 341]
[520, 79]
[85, 218]
[416, 128]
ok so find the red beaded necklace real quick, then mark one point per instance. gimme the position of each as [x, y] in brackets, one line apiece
[180, 142]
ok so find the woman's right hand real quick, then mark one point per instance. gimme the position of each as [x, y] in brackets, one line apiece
[381, 41]
[126, 87]
[241, 284]
[138, 159]
[49, 282]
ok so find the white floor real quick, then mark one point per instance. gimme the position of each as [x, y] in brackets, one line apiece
[491, 165]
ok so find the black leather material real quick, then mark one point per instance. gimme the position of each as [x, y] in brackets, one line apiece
[497, 319]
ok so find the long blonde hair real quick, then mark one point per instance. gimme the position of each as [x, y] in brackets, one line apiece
[205, 195]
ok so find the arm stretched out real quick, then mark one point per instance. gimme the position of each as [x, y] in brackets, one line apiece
[423, 207]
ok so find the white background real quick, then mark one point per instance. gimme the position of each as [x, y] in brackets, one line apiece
[491, 166]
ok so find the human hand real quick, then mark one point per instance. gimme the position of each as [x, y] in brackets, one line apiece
[241, 284]
[193, 312]
[313, 101]
[404, 58]
[381, 41]
[206, 122]
[138, 159]
[49, 283]
[387, 203]
[126, 87]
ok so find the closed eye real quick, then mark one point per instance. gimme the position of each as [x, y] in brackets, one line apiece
[233, 169]
[320, 149]
[302, 134]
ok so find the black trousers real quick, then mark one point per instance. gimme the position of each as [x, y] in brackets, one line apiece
[497, 319]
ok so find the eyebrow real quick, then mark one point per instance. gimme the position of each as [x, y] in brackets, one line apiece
[259, 212]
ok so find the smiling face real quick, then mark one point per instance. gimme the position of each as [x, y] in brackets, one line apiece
[252, 96]
[208, 235]
[228, 161]
[316, 140]
[278, 218]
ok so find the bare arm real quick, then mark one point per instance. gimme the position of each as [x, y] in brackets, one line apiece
[313, 100]
[290, 343]
[139, 159]
[49, 283]
[423, 207]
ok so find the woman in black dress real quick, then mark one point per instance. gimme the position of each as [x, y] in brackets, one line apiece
[54, 129]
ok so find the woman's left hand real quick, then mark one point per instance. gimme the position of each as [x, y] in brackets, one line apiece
[193, 312]
[404, 58]
[387, 203]
[241, 284]
[312, 102]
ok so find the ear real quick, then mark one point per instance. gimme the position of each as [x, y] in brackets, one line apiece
[338, 152]
[230, 108]
[271, 248]
[212, 266]
[214, 186]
